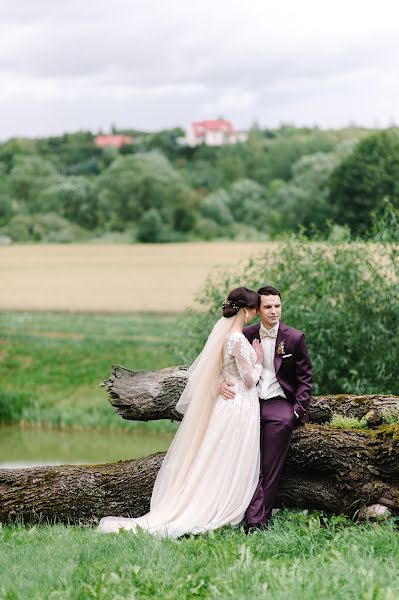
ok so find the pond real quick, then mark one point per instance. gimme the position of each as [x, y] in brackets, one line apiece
[21, 447]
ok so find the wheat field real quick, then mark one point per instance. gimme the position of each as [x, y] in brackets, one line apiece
[113, 278]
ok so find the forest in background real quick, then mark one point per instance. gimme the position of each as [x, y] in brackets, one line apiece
[324, 183]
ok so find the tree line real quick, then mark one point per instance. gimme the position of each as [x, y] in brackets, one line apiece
[290, 179]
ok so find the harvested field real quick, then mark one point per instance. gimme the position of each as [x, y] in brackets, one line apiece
[118, 278]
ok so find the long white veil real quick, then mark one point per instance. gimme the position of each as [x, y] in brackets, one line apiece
[196, 403]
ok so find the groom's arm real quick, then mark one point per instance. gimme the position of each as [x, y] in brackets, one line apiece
[304, 378]
[225, 391]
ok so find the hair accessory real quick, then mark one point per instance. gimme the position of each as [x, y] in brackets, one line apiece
[231, 304]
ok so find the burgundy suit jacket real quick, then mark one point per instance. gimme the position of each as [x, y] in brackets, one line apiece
[294, 373]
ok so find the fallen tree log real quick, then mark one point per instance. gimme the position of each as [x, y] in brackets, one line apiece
[149, 395]
[329, 469]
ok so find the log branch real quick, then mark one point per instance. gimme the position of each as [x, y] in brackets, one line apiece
[149, 395]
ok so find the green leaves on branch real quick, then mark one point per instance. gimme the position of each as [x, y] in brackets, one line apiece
[277, 182]
[345, 297]
[360, 183]
[138, 183]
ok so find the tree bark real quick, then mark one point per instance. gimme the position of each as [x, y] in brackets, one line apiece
[149, 395]
[329, 469]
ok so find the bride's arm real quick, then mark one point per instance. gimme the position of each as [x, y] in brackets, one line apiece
[242, 354]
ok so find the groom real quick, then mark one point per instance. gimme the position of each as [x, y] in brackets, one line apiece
[284, 390]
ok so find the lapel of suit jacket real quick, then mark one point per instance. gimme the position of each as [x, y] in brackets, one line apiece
[256, 332]
[281, 335]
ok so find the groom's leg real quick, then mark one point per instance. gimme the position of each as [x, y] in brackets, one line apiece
[276, 427]
[256, 514]
[277, 433]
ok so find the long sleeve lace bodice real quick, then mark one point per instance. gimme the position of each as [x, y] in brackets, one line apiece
[240, 360]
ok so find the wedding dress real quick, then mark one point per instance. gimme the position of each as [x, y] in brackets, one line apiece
[211, 470]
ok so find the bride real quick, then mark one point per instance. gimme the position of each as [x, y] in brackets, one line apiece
[211, 470]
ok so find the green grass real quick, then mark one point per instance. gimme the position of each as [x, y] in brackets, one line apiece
[342, 422]
[298, 558]
[51, 364]
[390, 416]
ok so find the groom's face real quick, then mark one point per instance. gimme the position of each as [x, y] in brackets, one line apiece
[270, 310]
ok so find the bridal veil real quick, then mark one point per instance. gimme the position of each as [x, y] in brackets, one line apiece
[196, 403]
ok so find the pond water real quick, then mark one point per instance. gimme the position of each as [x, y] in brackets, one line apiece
[30, 447]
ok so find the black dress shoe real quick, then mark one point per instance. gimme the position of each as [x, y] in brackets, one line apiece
[254, 528]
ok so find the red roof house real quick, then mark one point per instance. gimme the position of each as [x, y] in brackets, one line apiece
[214, 132]
[115, 141]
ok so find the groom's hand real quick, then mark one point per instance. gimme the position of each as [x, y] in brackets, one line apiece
[226, 390]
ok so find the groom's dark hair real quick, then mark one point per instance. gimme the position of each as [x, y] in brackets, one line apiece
[268, 290]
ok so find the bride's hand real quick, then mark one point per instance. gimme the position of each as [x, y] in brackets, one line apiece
[257, 346]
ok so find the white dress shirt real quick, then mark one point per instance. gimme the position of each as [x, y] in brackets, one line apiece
[268, 386]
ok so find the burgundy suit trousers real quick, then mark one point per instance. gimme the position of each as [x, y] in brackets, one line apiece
[276, 425]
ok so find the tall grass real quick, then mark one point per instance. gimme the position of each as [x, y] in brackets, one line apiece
[51, 364]
[298, 558]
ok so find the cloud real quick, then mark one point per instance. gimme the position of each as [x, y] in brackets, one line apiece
[150, 64]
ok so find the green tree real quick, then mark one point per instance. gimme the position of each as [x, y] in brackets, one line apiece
[183, 219]
[360, 183]
[230, 164]
[5, 209]
[284, 151]
[74, 198]
[248, 203]
[216, 208]
[13, 148]
[151, 227]
[73, 153]
[304, 201]
[136, 183]
[29, 176]
[165, 141]
[255, 156]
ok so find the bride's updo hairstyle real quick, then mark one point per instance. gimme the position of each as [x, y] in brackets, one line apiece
[238, 298]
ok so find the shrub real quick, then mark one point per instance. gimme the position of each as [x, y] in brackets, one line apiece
[345, 297]
[49, 227]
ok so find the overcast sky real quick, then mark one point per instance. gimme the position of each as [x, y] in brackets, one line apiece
[149, 64]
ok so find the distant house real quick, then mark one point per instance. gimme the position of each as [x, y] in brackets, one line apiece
[213, 133]
[115, 141]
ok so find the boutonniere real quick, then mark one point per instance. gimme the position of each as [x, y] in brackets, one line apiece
[281, 348]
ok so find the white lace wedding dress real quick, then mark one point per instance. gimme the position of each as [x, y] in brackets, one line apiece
[217, 484]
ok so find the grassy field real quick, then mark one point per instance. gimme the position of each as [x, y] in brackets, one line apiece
[119, 278]
[298, 558]
[51, 364]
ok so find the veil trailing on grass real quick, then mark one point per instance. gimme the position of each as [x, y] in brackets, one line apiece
[196, 403]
